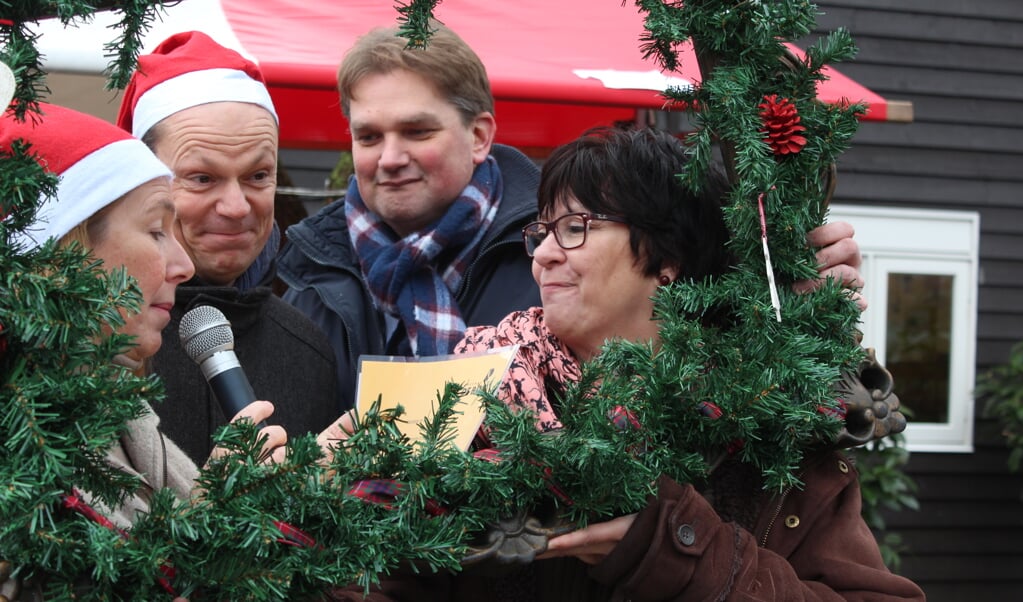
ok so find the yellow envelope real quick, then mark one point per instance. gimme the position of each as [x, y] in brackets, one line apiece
[415, 383]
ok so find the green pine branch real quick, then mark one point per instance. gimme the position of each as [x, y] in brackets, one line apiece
[414, 21]
[747, 385]
[771, 381]
[18, 41]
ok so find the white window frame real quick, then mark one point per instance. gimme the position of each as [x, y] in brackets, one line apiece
[919, 241]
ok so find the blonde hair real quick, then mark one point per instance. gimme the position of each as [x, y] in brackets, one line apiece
[447, 62]
[92, 230]
[89, 233]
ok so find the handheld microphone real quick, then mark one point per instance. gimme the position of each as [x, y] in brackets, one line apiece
[207, 338]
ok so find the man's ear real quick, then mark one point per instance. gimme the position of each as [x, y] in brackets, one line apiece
[484, 128]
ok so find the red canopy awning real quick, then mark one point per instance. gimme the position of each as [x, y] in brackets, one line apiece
[556, 66]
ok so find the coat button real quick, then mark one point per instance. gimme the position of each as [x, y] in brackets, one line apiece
[792, 521]
[686, 535]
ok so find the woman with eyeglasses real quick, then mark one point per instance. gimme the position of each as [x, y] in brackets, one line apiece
[616, 223]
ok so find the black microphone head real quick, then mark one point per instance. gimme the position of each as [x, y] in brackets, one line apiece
[204, 330]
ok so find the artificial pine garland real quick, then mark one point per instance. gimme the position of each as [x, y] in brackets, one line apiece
[20, 54]
[757, 389]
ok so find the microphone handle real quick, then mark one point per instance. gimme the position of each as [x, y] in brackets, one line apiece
[233, 391]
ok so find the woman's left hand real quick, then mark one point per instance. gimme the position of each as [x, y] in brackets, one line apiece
[274, 449]
[838, 257]
[339, 430]
[591, 544]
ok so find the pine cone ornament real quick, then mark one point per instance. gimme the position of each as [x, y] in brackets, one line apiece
[781, 125]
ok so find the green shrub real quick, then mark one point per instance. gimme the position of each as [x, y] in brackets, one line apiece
[884, 484]
[1002, 389]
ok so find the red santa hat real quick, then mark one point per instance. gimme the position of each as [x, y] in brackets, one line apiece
[186, 70]
[97, 163]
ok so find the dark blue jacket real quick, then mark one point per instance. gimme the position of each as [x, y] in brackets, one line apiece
[324, 280]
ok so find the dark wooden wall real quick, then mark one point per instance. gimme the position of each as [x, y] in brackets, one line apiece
[960, 62]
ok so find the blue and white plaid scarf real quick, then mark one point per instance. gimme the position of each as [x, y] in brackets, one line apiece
[405, 276]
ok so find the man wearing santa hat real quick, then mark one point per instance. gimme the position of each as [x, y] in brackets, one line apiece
[206, 113]
[113, 198]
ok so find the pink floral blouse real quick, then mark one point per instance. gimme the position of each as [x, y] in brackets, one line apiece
[541, 358]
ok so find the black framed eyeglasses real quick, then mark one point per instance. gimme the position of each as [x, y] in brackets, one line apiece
[569, 230]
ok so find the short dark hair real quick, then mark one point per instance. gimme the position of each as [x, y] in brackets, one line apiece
[633, 173]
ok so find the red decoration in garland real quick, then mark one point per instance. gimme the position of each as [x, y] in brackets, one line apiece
[781, 125]
[838, 413]
[709, 410]
[75, 502]
[294, 536]
[623, 418]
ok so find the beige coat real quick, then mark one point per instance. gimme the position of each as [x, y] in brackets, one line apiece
[142, 451]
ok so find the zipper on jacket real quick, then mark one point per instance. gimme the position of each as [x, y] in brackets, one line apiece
[464, 285]
[774, 518]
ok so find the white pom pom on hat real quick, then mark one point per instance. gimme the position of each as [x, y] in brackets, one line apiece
[96, 161]
[188, 69]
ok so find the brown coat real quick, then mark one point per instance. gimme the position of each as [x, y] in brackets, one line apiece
[809, 544]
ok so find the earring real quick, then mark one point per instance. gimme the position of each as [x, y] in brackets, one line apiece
[664, 280]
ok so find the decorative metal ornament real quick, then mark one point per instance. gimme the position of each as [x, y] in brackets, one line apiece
[872, 408]
[515, 541]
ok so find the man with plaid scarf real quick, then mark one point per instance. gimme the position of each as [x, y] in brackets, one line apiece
[428, 238]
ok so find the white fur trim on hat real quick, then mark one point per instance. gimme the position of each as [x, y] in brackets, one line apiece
[92, 183]
[197, 88]
[7, 85]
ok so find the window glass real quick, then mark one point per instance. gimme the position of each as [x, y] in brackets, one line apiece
[920, 268]
[918, 342]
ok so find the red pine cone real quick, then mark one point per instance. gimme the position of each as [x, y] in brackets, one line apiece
[781, 125]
